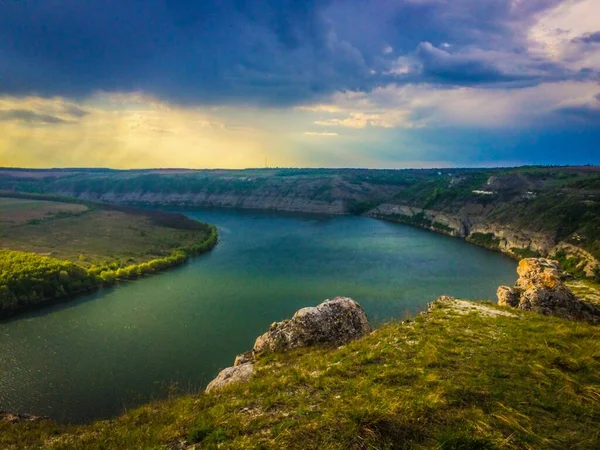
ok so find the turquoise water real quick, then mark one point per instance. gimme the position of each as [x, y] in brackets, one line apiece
[119, 347]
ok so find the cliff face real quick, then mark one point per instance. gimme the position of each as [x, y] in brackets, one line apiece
[477, 229]
[325, 194]
[511, 239]
[522, 213]
[271, 200]
[451, 224]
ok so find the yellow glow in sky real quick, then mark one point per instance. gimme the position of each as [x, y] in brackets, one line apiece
[124, 131]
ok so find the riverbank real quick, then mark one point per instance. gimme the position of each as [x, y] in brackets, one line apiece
[123, 346]
[53, 249]
[462, 375]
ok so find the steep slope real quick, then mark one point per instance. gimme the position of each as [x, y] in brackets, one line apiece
[522, 212]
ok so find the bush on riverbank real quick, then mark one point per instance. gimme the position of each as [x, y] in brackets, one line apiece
[27, 279]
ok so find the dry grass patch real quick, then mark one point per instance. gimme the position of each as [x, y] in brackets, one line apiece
[16, 211]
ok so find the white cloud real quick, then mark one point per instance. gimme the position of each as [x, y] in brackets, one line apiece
[121, 130]
[322, 133]
[416, 106]
[554, 34]
[380, 119]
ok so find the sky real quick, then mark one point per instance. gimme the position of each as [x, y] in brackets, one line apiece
[290, 83]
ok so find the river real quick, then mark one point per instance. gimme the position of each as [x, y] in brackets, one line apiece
[117, 348]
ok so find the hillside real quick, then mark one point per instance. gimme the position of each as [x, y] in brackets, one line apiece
[463, 376]
[523, 212]
[52, 249]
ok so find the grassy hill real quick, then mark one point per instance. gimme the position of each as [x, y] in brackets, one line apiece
[463, 376]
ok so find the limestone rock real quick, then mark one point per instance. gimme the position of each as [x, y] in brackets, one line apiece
[236, 374]
[333, 322]
[540, 288]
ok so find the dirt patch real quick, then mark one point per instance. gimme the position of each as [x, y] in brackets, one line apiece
[464, 307]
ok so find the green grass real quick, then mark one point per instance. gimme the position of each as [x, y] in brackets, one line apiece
[586, 290]
[14, 211]
[442, 381]
[98, 237]
[522, 253]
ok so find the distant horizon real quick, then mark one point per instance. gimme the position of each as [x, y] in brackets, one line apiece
[47, 169]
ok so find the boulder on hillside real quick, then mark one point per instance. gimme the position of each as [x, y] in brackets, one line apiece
[333, 322]
[507, 296]
[540, 288]
[236, 374]
[9, 417]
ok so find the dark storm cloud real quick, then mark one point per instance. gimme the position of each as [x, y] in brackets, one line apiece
[589, 38]
[261, 52]
[500, 69]
[584, 113]
[30, 117]
[75, 111]
[441, 66]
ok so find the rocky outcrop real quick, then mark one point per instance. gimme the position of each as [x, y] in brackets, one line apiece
[333, 322]
[468, 223]
[236, 374]
[507, 296]
[453, 225]
[540, 288]
[18, 418]
[509, 239]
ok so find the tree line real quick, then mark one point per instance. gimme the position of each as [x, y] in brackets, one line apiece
[28, 279]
